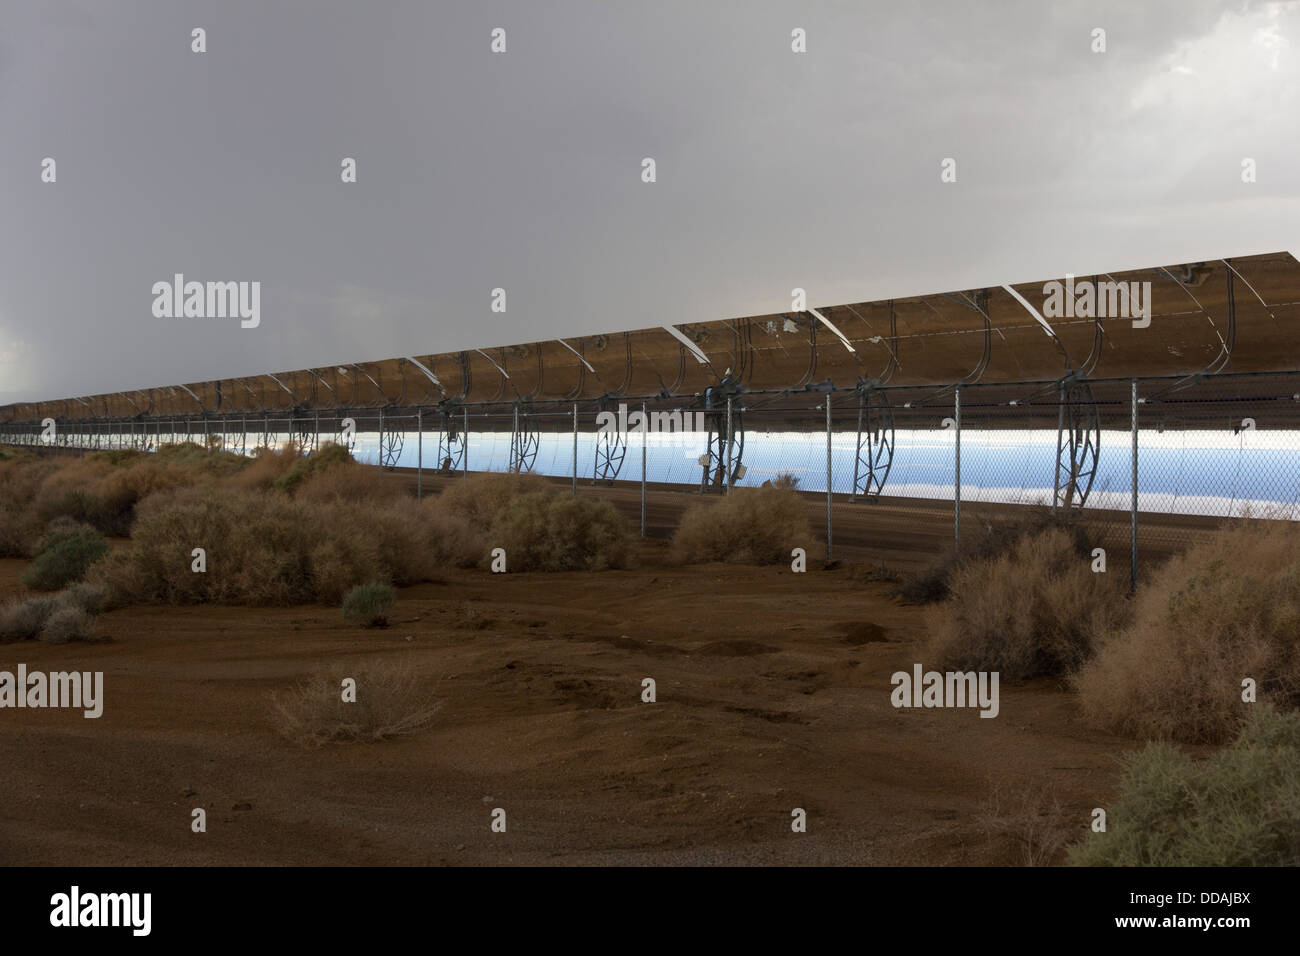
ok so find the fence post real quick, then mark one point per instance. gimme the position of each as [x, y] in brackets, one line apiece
[419, 454]
[726, 454]
[1060, 427]
[465, 457]
[645, 428]
[575, 449]
[1133, 507]
[516, 459]
[828, 477]
[956, 508]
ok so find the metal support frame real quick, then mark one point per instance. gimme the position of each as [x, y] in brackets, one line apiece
[611, 450]
[875, 457]
[829, 483]
[451, 440]
[956, 480]
[1133, 504]
[645, 437]
[723, 463]
[1078, 444]
[524, 441]
[391, 442]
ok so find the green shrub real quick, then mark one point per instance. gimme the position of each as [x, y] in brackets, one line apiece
[368, 604]
[64, 555]
[748, 526]
[1239, 807]
[542, 531]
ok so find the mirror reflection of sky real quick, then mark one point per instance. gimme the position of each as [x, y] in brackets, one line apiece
[1179, 472]
[1199, 472]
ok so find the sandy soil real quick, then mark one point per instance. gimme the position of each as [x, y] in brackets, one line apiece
[773, 693]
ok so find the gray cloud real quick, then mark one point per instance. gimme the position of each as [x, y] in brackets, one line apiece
[523, 171]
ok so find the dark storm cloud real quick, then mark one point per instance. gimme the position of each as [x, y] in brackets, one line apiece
[522, 170]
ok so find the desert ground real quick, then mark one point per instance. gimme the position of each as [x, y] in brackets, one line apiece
[773, 693]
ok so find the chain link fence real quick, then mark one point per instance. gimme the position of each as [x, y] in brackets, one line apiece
[1202, 448]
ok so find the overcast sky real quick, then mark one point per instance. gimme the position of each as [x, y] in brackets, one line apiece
[523, 170]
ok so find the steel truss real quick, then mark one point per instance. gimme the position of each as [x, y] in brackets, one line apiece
[875, 442]
[1078, 444]
[723, 463]
[524, 440]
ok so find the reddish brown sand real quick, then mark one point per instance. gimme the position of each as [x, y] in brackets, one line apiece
[773, 693]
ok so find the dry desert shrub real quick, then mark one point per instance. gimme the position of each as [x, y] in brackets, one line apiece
[748, 526]
[23, 620]
[1225, 610]
[351, 482]
[328, 456]
[479, 498]
[390, 700]
[206, 461]
[67, 623]
[20, 529]
[989, 539]
[267, 466]
[264, 548]
[1032, 611]
[57, 618]
[542, 531]
[20, 526]
[104, 494]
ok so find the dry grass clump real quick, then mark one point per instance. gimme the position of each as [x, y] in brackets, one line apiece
[390, 700]
[748, 526]
[268, 549]
[1032, 611]
[1225, 610]
[990, 539]
[1028, 819]
[543, 531]
[1239, 807]
[480, 498]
